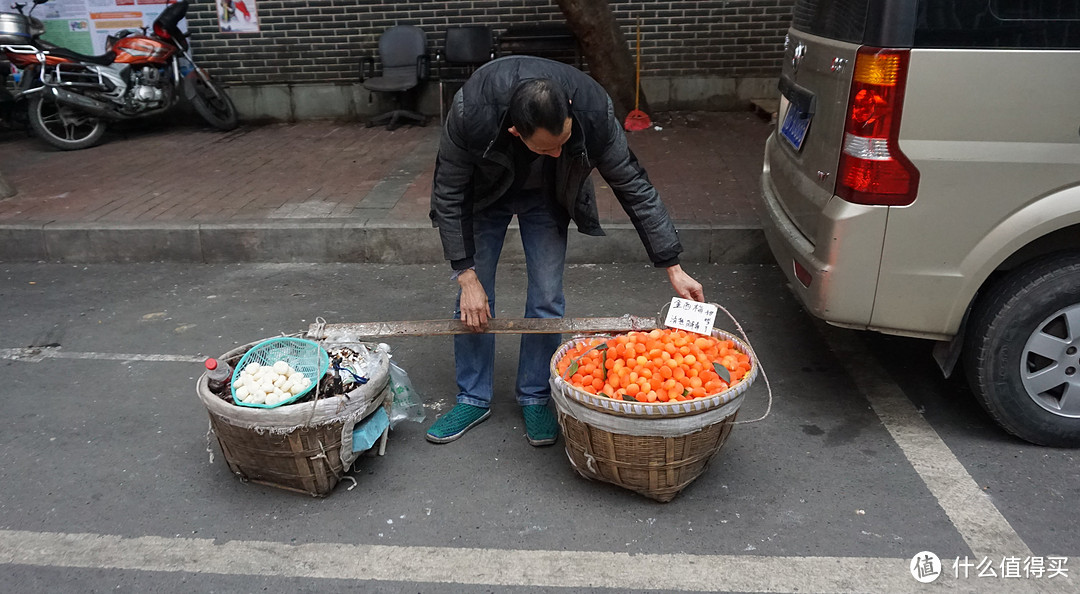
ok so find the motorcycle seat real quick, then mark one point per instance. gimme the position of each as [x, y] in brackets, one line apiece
[63, 52]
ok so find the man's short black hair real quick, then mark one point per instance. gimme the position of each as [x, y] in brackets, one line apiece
[539, 103]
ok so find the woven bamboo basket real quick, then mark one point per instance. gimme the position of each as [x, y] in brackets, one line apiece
[304, 447]
[655, 449]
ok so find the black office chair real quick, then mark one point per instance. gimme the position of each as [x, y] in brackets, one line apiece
[405, 63]
[466, 48]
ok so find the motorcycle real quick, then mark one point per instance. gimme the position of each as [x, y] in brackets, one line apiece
[72, 97]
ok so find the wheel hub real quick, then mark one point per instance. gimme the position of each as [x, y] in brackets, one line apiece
[1050, 363]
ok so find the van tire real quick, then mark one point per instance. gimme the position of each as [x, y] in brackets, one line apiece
[1013, 310]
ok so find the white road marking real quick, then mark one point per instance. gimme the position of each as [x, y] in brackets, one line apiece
[491, 567]
[972, 512]
[37, 354]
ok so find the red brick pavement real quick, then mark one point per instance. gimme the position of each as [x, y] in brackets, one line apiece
[706, 166]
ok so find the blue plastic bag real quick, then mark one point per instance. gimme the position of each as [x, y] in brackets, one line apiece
[368, 431]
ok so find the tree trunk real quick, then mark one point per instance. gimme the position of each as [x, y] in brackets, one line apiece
[605, 49]
[6, 189]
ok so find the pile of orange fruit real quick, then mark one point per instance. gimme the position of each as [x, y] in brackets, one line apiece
[658, 366]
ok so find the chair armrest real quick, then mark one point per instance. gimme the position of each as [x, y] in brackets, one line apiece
[423, 67]
[367, 68]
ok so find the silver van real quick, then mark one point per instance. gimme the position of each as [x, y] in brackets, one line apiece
[923, 180]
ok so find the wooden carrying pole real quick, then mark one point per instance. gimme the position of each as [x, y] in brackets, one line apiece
[339, 333]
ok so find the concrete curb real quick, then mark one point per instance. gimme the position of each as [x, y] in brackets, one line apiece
[351, 241]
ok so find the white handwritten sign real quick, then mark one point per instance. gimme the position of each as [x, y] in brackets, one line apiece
[691, 316]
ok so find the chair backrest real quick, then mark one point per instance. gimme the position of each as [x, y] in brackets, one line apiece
[468, 45]
[401, 45]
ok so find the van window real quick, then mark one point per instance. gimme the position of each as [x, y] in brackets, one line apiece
[1036, 10]
[844, 20]
[998, 24]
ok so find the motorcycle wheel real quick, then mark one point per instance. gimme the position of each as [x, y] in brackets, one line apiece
[212, 103]
[62, 126]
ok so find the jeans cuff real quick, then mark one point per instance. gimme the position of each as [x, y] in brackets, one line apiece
[533, 400]
[474, 401]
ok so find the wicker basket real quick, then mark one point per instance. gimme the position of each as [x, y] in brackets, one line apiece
[653, 449]
[304, 461]
[304, 447]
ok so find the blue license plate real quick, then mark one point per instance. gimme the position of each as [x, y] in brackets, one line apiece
[796, 123]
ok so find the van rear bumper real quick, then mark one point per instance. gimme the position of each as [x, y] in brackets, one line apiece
[843, 258]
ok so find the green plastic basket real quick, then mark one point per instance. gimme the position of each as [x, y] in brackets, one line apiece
[302, 355]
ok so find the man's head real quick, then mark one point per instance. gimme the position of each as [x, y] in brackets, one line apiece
[540, 114]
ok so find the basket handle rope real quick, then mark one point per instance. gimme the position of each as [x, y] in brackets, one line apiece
[314, 402]
[768, 388]
[761, 368]
[590, 462]
[209, 431]
[321, 455]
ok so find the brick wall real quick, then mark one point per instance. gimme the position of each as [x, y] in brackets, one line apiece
[323, 40]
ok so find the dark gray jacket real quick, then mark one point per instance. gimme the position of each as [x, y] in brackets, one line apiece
[475, 165]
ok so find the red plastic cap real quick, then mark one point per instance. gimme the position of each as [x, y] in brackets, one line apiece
[211, 364]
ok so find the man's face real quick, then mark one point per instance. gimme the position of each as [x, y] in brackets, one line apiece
[543, 142]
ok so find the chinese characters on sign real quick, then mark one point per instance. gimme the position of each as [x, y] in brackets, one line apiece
[84, 25]
[690, 316]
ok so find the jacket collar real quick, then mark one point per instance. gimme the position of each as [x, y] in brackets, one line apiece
[498, 149]
[576, 144]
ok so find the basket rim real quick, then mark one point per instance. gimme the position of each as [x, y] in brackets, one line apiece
[324, 364]
[656, 409]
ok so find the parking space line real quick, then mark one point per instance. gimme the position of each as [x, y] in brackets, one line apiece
[37, 354]
[971, 510]
[491, 567]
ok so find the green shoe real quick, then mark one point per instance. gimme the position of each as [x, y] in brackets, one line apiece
[541, 428]
[455, 423]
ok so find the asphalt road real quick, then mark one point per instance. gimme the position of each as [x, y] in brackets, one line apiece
[866, 458]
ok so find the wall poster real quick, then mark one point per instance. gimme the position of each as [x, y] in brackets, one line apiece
[238, 16]
[83, 25]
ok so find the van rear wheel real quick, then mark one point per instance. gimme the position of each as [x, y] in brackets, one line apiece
[1022, 352]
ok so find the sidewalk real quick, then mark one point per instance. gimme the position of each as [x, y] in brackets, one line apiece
[320, 191]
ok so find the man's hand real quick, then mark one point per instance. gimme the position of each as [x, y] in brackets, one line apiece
[474, 301]
[685, 286]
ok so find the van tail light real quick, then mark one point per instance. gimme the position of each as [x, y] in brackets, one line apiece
[872, 169]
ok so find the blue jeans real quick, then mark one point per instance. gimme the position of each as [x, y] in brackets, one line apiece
[543, 237]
